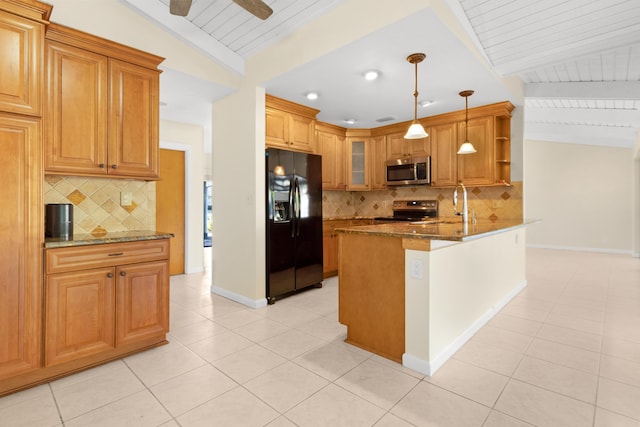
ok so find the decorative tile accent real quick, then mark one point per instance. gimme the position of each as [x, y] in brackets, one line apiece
[98, 232]
[493, 217]
[476, 191]
[506, 196]
[76, 197]
[97, 203]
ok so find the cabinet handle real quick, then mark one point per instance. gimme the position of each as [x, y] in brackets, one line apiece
[116, 254]
[101, 165]
[109, 275]
[123, 273]
[114, 166]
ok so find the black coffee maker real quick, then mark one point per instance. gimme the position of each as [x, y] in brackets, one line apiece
[59, 220]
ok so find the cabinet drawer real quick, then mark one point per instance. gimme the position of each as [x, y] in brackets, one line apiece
[59, 260]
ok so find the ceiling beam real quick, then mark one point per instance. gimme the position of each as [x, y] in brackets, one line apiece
[619, 117]
[607, 136]
[584, 90]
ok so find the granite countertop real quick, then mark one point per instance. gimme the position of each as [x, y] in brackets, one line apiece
[117, 237]
[438, 229]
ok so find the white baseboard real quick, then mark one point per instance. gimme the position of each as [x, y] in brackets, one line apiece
[430, 367]
[583, 249]
[259, 303]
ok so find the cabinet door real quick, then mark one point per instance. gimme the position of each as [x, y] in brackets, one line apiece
[477, 168]
[301, 133]
[21, 44]
[420, 147]
[330, 254]
[276, 128]
[332, 149]
[378, 163]
[397, 146]
[79, 314]
[76, 119]
[444, 162]
[21, 237]
[142, 302]
[133, 120]
[358, 164]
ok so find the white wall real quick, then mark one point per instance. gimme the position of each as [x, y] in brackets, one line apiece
[583, 194]
[190, 139]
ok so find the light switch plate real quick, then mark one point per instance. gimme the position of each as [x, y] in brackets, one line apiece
[416, 269]
[125, 198]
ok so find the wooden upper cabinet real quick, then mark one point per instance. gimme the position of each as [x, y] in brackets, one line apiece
[444, 162]
[399, 147]
[77, 87]
[378, 162]
[133, 148]
[21, 234]
[331, 145]
[21, 67]
[289, 125]
[102, 107]
[477, 168]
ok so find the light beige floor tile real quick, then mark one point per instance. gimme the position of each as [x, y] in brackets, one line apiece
[159, 364]
[543, 407]
[498, 419]
[236, 407]
[477, 384]
[195, 332]
[571, 337]
[325, 329]
[261, 330]
[589, 326]
[292, 343]
[489, 357]
[238, 318]
[625, 371]
[75, 398]
[334, 406]
[515, 324]
[285, 386]
[248, 363]
[606, 418]
[390, 420]
[619, 397]
[30, 408]
[622, 329]
[170, 423]
[525, 312]
[502, 338]
[191, 389]
[331, 360]
[219, 346]
[579, 312]
[180, 316]
[428, 404]
[140, 409]
[376, 383]
[560, 379]
[288, 314]
[281, 421]
[397, 366]
[565, 355]
[117, 367]
[621, 348]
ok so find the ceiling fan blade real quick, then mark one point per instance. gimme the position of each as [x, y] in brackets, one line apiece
[179, 7]
[257, 7]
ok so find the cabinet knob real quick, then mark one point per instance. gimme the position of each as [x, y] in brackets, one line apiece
[114, 166]
[101, 165]
[109, 275]
[123, 273]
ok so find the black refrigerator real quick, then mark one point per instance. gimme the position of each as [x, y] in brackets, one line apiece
[294, 222]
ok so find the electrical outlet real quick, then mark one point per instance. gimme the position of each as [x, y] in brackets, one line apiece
[416, 269]
[125, 198]
[498, 204]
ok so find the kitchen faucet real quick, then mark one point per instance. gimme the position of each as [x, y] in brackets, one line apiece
[465, 208]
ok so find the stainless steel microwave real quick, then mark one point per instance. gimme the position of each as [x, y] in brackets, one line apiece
[409, 171]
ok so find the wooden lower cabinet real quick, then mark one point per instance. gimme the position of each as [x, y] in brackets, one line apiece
[330, 242]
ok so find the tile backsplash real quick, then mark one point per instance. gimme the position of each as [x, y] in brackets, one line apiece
[96, 203]
[500, 202]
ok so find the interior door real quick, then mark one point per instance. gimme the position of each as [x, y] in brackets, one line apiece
[170, 205]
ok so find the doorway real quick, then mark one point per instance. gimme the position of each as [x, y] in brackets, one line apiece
[170, 205]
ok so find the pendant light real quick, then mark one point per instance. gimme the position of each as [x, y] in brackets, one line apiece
[466, 147]
[416, 131]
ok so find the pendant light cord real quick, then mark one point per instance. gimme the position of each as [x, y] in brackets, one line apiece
[466, 119]
[415, 96]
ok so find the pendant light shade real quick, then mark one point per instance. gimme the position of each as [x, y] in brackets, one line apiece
[466, 147]
[416, 131]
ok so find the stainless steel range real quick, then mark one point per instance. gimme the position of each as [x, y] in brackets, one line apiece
[412, 210]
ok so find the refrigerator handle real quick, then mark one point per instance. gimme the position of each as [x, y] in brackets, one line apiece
[297, 206]
[292, 210]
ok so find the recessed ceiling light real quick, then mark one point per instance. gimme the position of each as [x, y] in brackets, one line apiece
[350, 121]
[312, 96]
[425, 103]
[371, 75]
